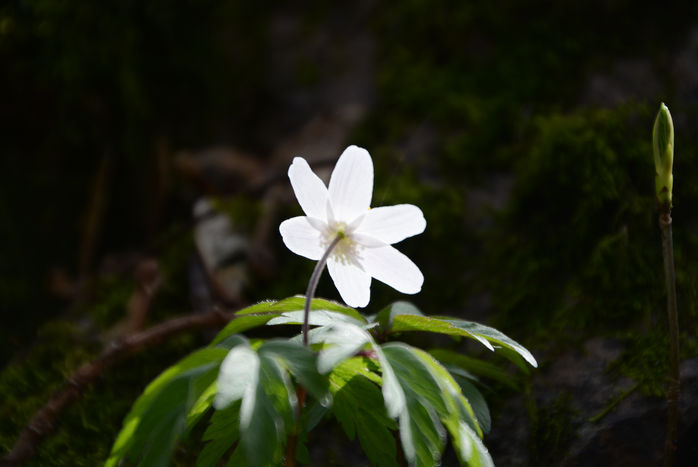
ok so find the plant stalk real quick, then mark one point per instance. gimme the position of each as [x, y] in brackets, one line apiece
[674, 375]
[312, 285]
[290, 460]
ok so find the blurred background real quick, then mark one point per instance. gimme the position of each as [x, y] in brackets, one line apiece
[143, 155]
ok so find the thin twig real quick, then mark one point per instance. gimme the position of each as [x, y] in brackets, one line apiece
[674, 375]
[43, 422]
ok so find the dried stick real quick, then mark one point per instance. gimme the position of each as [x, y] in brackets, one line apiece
[43, 422]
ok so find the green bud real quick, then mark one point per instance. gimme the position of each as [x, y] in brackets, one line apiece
[663, 146]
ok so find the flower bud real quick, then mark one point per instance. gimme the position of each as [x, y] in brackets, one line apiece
[663, 146]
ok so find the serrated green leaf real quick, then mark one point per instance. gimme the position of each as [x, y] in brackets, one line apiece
[240, 324]
[220, 435]
[268, 400]
[315, 413]
[301, 362]
[260, 313]
[238, 458]
[158, 418]
[458, 327]
[202, 404]
[476, 400]
[343, 340]
[387, 315]
[433, 397]
[271, 413]
[359, 407]
[431, 382]
[237, 378]
[316, 318]
[377, 442]
[422, 435]
[298, 303]
[469, 447]
[475, 366]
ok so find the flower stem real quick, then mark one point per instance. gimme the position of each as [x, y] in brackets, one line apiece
[290, 458]
[674, 375]
[312, 285]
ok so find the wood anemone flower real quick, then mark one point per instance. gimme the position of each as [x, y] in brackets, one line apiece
[343, 210]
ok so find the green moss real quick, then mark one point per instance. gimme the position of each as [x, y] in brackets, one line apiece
[577, 251]
[85, 431]
[551, 431]
[645, 360]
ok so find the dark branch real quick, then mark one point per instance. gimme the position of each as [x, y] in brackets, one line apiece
[43, 422]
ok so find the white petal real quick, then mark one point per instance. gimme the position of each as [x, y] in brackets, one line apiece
[351, 184]
[310, 191]
[393, 268]
[302, 238]
[392, 224]
[353, 284]
[367, 241]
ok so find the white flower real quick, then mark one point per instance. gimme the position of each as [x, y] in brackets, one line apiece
[344, 209]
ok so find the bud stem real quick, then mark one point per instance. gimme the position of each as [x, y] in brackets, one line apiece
[674, 372]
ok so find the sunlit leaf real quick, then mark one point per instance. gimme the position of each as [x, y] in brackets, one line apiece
[297, 303]
[220, 435]
[433, 400]
[475, 366]
[240, 324]
[315, 318]
[271, 412]
[342, 341]
[387, 315]
[301, 362]
[474, 397]
[359, 408]
[260, 379]
[458, 327]
[238, 378]
[158, 418]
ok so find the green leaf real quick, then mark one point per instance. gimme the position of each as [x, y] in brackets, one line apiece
[220, 435]
[316, 318]
[240, 324]
[159, 416]
[458, 327]
[433, 397]
[205, 400]
[421, 433]
[262, 312]
[271, 414]
[301, 362]
[237, 378]
[359, 408]
[469, 447]
[268, 400]
[431, 382]
[343, 340]
[387, 315]
[475, 366]
[474, 397]
[298, 303]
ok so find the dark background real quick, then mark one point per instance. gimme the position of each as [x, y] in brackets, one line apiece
[521, 128]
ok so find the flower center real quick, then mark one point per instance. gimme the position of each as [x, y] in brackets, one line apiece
[347, 250]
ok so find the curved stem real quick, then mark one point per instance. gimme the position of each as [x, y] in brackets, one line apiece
[290, 460]
[674, 374]
[312, 285]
